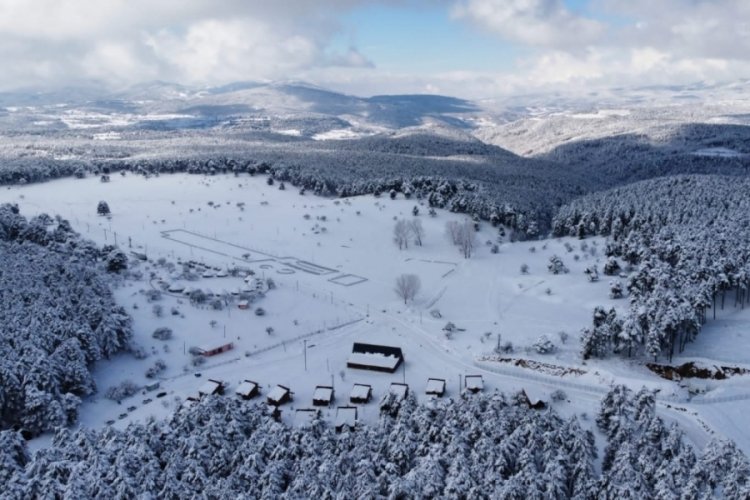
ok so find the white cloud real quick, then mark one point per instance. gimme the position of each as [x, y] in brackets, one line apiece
[545, 23]
[197, 41]
[607, 43]
[633, 42]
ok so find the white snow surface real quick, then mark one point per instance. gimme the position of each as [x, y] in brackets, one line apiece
[373, 359]
[335, 287]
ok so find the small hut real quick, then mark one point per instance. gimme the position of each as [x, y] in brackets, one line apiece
[532, 399]
[473, 383]
[211, 387]
[361, 394]
[304, 417]
[279, 395]
[399, 390]
[247, 389]
[346, 418]
[435, 387]
[323, 395]
[213, 351]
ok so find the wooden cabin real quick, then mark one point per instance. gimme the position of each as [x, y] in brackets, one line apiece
[532, 399]
[211, 387]
[213, 351]
[346, 418]
[279, 395]
[473, 383]
[435, 387]
[361, 394]
[247, 389]
[323, 395]
[304, 417]
[400, 391]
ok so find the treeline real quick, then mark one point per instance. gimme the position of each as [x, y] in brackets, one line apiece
[58, 317]
[522, 194]
[486, 446]
[686, 237]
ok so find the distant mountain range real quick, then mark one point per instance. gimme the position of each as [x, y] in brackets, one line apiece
[529, 125]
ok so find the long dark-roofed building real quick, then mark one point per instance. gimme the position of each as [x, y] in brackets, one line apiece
[381, 358]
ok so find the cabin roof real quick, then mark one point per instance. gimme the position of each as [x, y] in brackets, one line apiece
[399, 390]
[346, 415]
[209, 387]
[323, 393]
[374, 359]
[277, 393]
[474, 382]
[435, 385]
[360, 391]
[304, 417]
[246, 387]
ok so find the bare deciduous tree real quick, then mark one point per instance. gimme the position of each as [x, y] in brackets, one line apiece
[416, 230]
[468, 238]
[453, 231]
[463, 235]
[407, 286]
[401, 234]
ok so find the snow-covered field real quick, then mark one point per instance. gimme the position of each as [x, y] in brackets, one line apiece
[334, 265]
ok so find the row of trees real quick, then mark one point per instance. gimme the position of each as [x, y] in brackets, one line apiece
[482, 446]
[686, 239]
[405, 231]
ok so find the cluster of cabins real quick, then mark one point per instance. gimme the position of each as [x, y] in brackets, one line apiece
[364, 356]
[324, 396]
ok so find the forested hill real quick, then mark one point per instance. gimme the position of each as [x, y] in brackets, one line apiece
[478, 447]
[688, 237]
[58, 317]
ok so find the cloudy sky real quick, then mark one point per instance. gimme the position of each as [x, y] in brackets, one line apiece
[470, 48]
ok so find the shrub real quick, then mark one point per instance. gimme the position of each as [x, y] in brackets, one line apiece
[162, 333]
[123, 390]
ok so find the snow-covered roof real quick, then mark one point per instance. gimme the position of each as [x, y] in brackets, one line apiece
[246, 388]
[304, 418]
[323, 393]
[435, 386]
[212, 347]
[176, 288]
[346, 415]
[399, 390]
[474, 382]
[277, 393]
[209, 387]
[360, 391]
[534, 395]
[373, 359]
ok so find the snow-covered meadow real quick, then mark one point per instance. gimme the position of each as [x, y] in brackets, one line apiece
[334, 265]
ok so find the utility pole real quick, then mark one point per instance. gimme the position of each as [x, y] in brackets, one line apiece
[305, 343]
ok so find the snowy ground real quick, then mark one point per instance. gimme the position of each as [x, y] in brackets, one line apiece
[334, 264]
